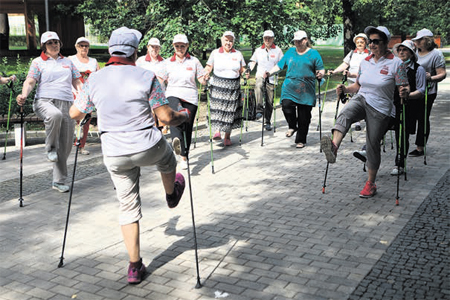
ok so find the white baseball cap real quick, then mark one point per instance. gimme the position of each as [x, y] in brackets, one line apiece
[268, 33]
[124, 40]
[360, 35]
[82, 39]
[299, 35]
[379, 29]
[421, 33]
[49, 35]
[408, 44]
[153, 42]
[180, 38]
[228, 33]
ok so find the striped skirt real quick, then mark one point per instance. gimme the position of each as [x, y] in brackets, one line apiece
[226, 108]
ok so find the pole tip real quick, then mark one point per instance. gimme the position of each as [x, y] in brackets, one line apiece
[396, 202]
[61, 263]
[198, 285]
[323, 190]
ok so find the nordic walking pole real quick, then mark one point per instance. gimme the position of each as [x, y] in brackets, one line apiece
[198, 285]
[320, 117]
[243, 113]
[266, 80]
[210, 129]
[275, 82]
[324, 97]
[21, 158]
[399, 153]
[198, 113]
[404, 138]
[246, 115]
[82, 123]
[425, 128]
[342, 97]
[392, 140]
[9, 115]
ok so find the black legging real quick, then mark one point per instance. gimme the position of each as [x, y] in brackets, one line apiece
[419, 109]
[177, 131]
[298, 117]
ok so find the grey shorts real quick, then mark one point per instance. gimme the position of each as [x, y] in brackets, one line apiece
[376, 125]
[125, 173]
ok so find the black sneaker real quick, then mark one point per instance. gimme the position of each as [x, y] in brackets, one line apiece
[416, 153]
[268, 127]
[361, 155]
[258, 116]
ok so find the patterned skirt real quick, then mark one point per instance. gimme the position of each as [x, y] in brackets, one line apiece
[226, 108]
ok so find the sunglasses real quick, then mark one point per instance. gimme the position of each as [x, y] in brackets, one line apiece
[51, 42]
[83, 46]
[375, 41]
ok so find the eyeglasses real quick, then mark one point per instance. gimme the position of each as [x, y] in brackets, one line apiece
[83, 46]
[375, 41]
[51, 42]
[180, 46]
[402, 49]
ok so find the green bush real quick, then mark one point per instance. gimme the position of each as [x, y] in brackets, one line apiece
[20, 69]
[19, 40]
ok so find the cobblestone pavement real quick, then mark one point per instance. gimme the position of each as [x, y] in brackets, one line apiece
[264, 228]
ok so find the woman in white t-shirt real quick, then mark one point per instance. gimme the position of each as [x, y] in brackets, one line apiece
[228, 65]
[180, 72]
[86, 65]
[433, 61]
[352, 60]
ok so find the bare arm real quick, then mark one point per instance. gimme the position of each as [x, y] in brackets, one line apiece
[75, 113]
[168, 116]
[77, 84]
[440, 75]
[208, 70]
[161, 82]
[351, 89]
[28, 86]
[342, 67]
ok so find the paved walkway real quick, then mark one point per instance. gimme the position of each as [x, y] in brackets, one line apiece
[264, 228]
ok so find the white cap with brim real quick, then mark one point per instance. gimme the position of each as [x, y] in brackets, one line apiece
[268, 33]
[380, 29]
[124, 40]
[82, 39]
[228, 33]
[421, 33]
[408, 44]
[49, 35]
[299, 35]
[360, 35]
[180, 38]
[154, 42]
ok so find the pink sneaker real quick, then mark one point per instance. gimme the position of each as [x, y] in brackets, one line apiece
[174, 199]
[135, 275]
[369, 190]
[227, 142]
[217, 136]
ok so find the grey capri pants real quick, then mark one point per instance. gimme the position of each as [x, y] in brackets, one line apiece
[125, 173]
[376, 125]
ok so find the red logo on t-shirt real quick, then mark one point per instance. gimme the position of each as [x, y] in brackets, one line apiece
[189, 68]
[272, 55]
[384, 70]
[234, 58]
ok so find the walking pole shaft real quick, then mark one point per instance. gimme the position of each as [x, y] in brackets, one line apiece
[21, 158]
[7, 122]
[82, 123]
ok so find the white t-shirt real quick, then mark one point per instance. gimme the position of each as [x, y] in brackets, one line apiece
[430, 62]
[91, 66]
[124, 96]
[54, 77]
[266, 59]
[147, 63]
[378, 81]
[180, 77]
[226, 65]
[356, 59]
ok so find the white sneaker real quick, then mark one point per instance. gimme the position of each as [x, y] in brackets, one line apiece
[176, 145]
[183, 164]
[397, 171]
[84, 151]
[62, 188]
[52, 156]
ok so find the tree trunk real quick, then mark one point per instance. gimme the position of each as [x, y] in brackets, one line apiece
[349, 20]
[4, 32]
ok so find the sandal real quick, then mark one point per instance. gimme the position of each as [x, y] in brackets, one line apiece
[300, 145]
[290, 132]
